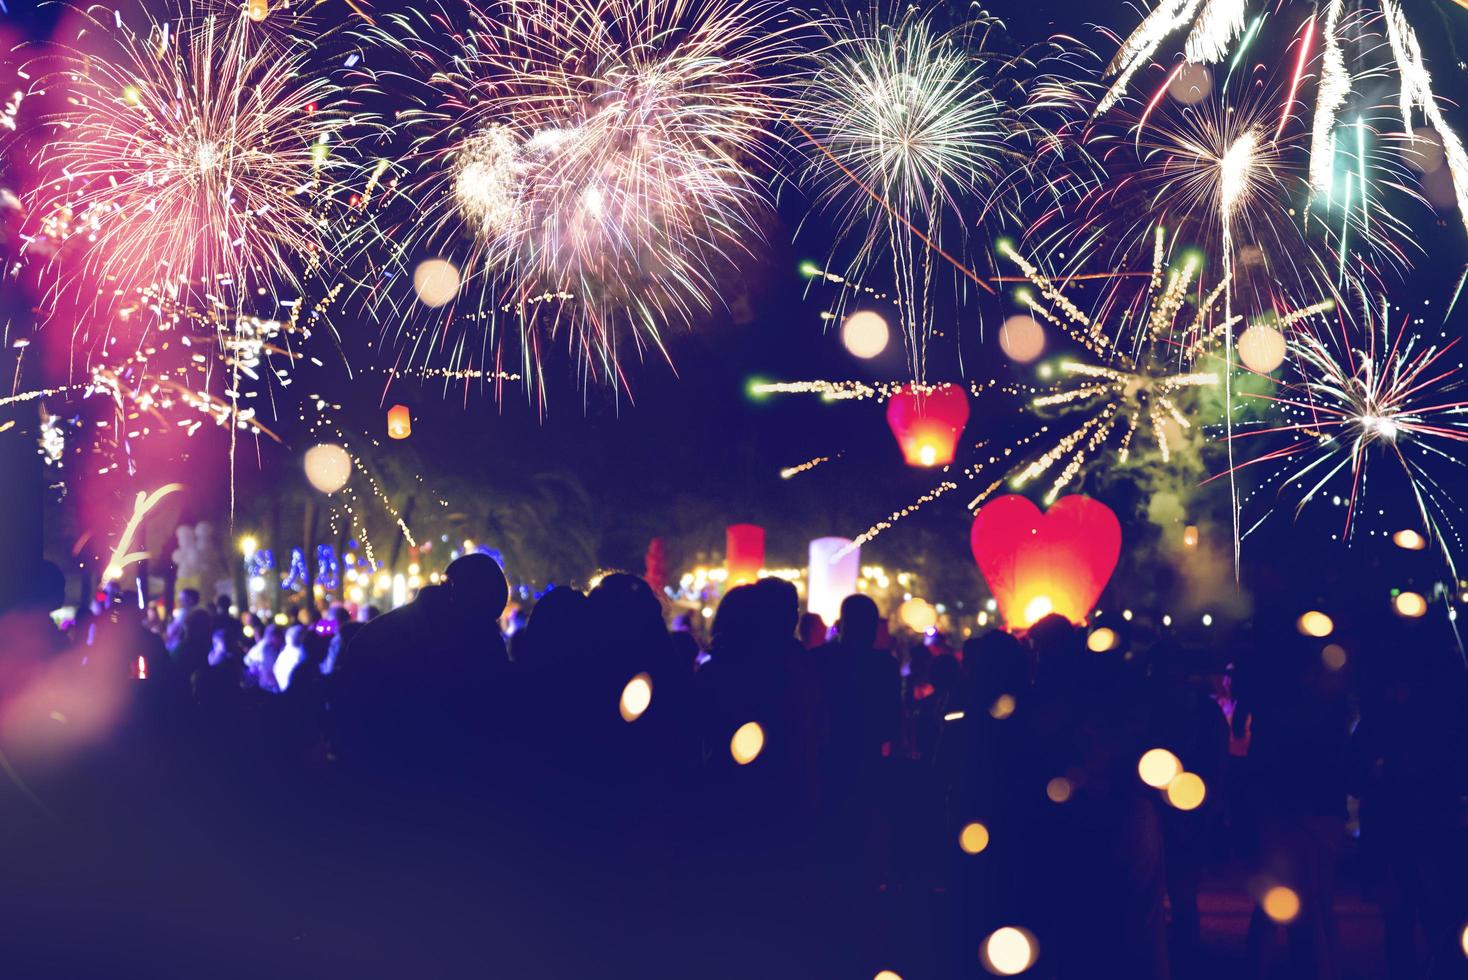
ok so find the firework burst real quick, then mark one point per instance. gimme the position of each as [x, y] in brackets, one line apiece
[1380, 396]
[912, 135]
[1213, 26]
[1221, 173]
[191, 153]
[1146, 365]
[609, 150]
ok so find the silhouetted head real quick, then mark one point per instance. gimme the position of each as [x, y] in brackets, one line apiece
[274, 635]
[46, 588]
[477, 587]
[812, 631]
[222, 604]
[997, 663]
[1058, 648]
[625, 611]
[736, 622]
[188, 599]
[780, 606]
[857, 626]
[294, 634]
[559, 625]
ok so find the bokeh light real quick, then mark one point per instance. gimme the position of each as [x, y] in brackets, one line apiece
[636, 697]
[1186, 791]
[1191, 84]
[1158, 768]
[1102, 639]
[1262, 348]
[1002, 707]
[1333, 656]
[918, 615]
[436, 281]
[865, 334]
[1058, 789]
[1409, 605]
[1315, 623]
[973, 838]
[748, 742]
[1409, 540]
[1009, 951]
[1022, 338]
[1281, 904]
[328, 467]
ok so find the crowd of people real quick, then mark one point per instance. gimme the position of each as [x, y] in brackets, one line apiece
[600, 795]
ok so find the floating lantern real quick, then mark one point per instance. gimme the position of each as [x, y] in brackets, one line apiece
[927, 421]
[257, 10]
[399, 422]
[328, 467]
[744, 553]
[831, 578]
[1036, 564]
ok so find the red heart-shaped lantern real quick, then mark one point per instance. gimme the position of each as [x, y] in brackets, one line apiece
[927, 419]
[1036, 564]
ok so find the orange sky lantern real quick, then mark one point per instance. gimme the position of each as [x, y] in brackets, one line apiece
[1036, 564]
[399, 422]
[927, 421]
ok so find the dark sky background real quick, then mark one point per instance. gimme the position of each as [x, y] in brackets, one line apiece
[686, 451]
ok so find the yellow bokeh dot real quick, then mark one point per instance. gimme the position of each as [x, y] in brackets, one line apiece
[636, 697]
[1409, 605]
[1102, 639]
[748, 742]
[1315, 623]
[887, 975]
[1158, 768]
[1464, 940]
[1058, 789]
[1333, 656]
[1281, 904]
[1186, 791]
[1002, 707]
[1009, 951]
[865, 334]
[973, 838]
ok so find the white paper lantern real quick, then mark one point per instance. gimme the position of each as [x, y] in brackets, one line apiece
[831, 579]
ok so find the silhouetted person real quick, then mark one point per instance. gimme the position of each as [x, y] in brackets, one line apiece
[1296, 791]
[189, 634]
[1410, 770]
[1095, 881]
[420, 686]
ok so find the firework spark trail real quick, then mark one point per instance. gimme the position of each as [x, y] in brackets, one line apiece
[1417, 91]
[629, 175]
[806, 467]
[193, 154]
